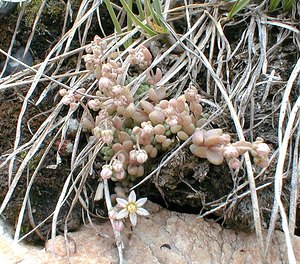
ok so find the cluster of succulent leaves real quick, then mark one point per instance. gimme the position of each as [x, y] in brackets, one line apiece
[134, 130]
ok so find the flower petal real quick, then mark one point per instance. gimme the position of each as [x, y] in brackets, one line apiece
[132, 197]
[142, 211]
[141, 202]
[133, 218]
[121, 202]
[122, 214]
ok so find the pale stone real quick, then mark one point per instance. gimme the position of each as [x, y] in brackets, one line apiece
[163, 237]
[60, 246]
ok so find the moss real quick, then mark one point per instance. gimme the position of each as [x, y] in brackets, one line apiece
[34, 162]
[53, 10]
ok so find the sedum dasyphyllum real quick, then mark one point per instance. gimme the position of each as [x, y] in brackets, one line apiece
[136, 130]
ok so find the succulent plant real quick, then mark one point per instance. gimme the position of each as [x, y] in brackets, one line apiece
[134, 132]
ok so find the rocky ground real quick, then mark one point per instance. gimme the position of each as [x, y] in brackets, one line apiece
[162, 238]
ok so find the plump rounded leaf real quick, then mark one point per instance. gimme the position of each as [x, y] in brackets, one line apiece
[214, 157]
[156, 117]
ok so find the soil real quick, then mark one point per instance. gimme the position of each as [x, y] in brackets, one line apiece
[186, 184]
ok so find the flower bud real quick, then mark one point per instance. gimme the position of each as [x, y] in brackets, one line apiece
[97, 132]
[147, 128]
[79, 93]
[163, 104]
[94, 104]
[120, 175]
[117, 166]
[62, 92]
[106, 172]
[107, 135]
[234, 163]
[74, 106]
[224, 139]
[262, 149]
[230, 152]
[141, 156]
[132, 155]
[172, 121]
[106, 68]
[68, 99]
[191, 94]
[105, 84]
[117, 90]
[117, 225]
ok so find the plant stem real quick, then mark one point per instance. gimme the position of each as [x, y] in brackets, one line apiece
[117, 234]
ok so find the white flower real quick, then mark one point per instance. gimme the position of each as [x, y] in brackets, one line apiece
[132, 207]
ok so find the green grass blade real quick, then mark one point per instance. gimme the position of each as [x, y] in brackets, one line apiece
[140, 9]
[158, 13]
[150, 12]
[157, 7]
[129, 21]
[113, 16]
[135, 20]
[288, 4]
[237, 7]
[273, 5]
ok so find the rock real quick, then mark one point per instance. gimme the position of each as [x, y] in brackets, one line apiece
[60, 247]
[162, 238]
